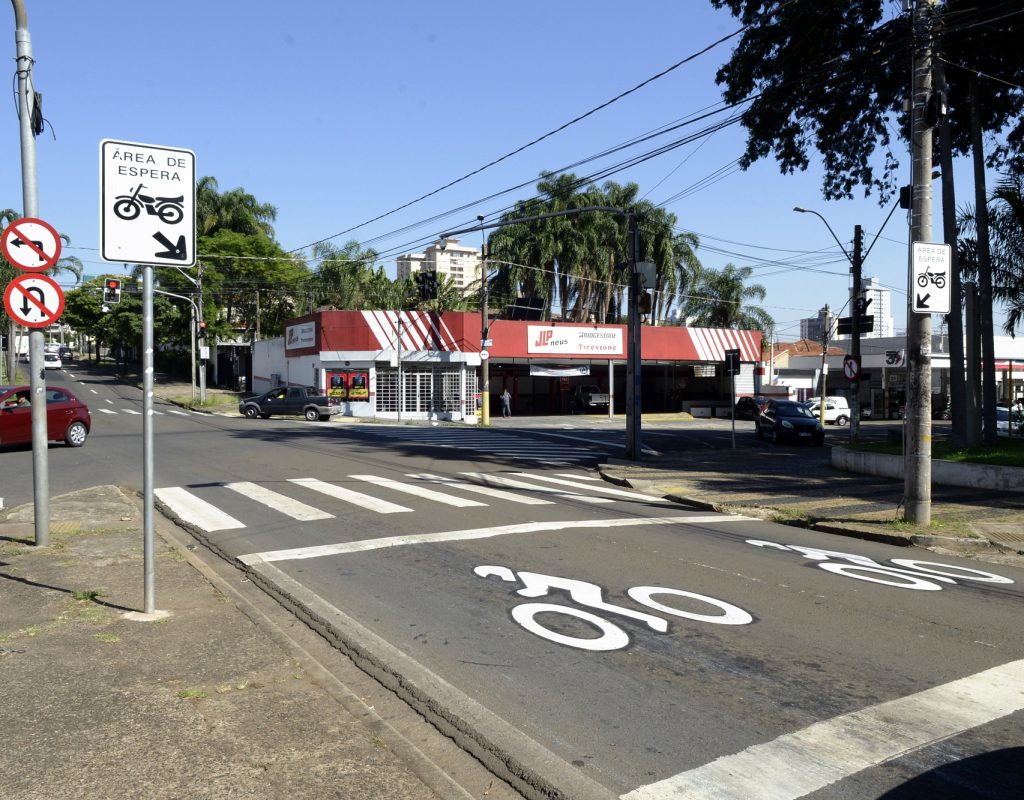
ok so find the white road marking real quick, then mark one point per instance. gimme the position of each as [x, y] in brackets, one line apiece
[586, 488]
[797, 764]
[131, 411]
[364, 545]
[181, 413]
[490, 491]
[418, 491]
[498, 480]
[105, 411]
[278, 502]
[349, 496]
[196, 511]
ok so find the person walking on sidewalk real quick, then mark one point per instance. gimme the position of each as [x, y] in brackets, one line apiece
[506, 403]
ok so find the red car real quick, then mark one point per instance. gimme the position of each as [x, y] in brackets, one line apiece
[67, 417]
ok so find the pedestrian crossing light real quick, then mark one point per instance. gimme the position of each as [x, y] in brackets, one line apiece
[427, 285]
[112, 290]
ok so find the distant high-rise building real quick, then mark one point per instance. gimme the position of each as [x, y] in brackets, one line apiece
[455, 261]
[880, 308]
[814, 327]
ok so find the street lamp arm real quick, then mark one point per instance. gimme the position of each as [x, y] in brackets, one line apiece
[800, 210]
[180, 297]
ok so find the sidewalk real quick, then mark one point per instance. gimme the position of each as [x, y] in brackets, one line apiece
[223, 698]
[799, 486]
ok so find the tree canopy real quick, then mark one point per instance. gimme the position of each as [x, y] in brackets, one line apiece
[833, 76]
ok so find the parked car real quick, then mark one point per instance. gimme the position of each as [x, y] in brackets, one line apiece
[303, 401]
[787, 420]
[750, 407]
[837, 409]
[67, 417]
[588, 398]
[1005, 419]
[52, 361]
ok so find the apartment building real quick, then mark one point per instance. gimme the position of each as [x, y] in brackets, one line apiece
[452, 260]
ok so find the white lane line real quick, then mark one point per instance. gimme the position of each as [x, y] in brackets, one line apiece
[589, 488]
[195, 510]
[175, 411]
[131, 411]
[349, 496]
[105, 399]
[498, 480]
[490, 491]
[105, 411]
[796, 764]
[579, 477]
[418, 491]
[278, 502]
[362, 546]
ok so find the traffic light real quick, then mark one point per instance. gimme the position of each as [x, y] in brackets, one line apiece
[201, 333]
[112, 290]
[427, 285]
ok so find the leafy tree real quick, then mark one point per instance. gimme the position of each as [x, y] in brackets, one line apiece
[833, 76]
[720, 299]
[342, 274]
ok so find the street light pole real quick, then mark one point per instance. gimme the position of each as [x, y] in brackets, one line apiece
[195, 317]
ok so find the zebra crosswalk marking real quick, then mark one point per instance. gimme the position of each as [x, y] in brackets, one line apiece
[195, 510]
[486, 490]
[498, 480]
[279, 502]
[418, 491]
[357, 498]
[601, 489]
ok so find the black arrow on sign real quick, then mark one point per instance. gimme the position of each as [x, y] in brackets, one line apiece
[25, 307]
[175, 251]
[922, 302]
[16, 242]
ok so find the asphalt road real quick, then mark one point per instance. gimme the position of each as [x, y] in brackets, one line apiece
[590, 640]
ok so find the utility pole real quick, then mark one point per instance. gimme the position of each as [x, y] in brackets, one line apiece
[860, 308]
[917, 468]
[485, 363]
[634, 404]
[825, 330]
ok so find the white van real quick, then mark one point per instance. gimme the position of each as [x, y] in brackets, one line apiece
[837, 409]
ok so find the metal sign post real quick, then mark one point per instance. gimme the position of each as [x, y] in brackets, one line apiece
[151, 228]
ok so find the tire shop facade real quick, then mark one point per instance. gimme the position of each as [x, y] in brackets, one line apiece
[355, 357]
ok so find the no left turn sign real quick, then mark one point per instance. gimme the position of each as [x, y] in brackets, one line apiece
[34, 301]
[30, 244]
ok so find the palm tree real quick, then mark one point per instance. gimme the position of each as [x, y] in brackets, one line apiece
[718, 300]
[235, 210]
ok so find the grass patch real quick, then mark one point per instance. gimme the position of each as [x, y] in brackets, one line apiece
[89, 595]
[1007, 453]
[109, 638]
[192, 694]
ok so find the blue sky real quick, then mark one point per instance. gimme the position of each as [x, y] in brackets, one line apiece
[339, 112]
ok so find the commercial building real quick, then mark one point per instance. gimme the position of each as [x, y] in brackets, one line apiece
[426, 365]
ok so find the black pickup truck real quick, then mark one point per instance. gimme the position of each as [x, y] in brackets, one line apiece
[303, 401]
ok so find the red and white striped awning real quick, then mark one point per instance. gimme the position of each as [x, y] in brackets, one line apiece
[421, 330]
[711, 343]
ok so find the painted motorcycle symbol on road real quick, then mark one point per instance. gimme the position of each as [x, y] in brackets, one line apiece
[907, 573]
[168, 209]
[592, 596]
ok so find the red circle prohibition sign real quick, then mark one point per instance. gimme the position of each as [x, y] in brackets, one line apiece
[30, 244]
[34, 301]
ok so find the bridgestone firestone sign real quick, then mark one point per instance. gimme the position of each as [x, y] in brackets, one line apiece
[147, 204]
